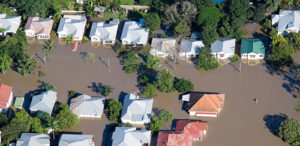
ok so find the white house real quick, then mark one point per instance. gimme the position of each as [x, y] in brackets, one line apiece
[73, 25]
[6, 97]
[223, 48]
[252, 49]
[130, 136]
[136, 110]
[190, 48]
[33, 139]
[9, 23]
[85, 106]
[39, 27]
[287, 21]
[134, 34]
[163, 47]
[76, 140]
[104, 33]
[43, 102]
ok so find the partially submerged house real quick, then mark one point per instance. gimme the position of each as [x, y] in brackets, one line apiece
[252, 49]
[39, 27]
[207, 105]
[76, 140]
[136, 110]
[85, 106]
[43, 102]
[33, 139]
[190, 48]
[130, 136]
[72, 25]
[223, 48]
[134, 34]
[185, 133]
[163, 47]
[6, 97]
[9, 24]
[287, 21]
[104, 33]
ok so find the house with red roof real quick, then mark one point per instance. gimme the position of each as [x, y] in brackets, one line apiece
[208, 105]
[185, 133]
[39, 27]
[6, 96]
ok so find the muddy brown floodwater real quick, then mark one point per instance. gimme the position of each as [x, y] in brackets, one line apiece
[240, 123]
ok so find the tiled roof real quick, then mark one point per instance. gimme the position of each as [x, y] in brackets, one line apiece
[5, 92]
[184, 134]
[39, 25]
[206, 102]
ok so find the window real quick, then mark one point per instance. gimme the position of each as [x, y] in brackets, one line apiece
[252, 56]
[221, 55]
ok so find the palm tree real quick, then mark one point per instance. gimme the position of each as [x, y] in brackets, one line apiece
[55, 126]
[106, 90]
[69, 39]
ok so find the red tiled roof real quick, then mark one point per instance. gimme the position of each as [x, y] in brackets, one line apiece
[5, 92]
[185, 133]
[206, 102]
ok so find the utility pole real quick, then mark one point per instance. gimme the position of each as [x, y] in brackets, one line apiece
[240, 67]
[108, 64]
[45, 59]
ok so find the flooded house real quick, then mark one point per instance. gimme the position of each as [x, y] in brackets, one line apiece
[76, 140]
[189, 48]
[72, 25]
[39, 27]
[185, 133]
[134, 34]
[252, 49]
[206, 105]
[130, 136]
[104, 32]
[85, 106]
[223, 48]
[163, 47]
[43, 102]
[6, 97]
[33, 139]
[286, 21]
[136, 110]
[9, 24]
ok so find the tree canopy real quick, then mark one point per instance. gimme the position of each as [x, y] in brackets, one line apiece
[153, 22]
[289, 131]
[164, 81]
[183, 85]
[205, 60]
[114, 108]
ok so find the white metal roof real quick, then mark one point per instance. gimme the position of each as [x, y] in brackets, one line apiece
[129, 136]
[163, 46]
[72, 25]
[223, 45]
[104, 31]
[33, 139]
[288, 19]
[190, 46]
[43, 102]
[10, 23]
[85, 105]
[76, 140]
[134, 33]
[136, 109]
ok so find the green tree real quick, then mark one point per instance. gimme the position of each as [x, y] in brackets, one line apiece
[37, 126]
[259, 13]
[206, 61]
[105, 90]
[131, 57]
[294, 40]
[26, 65]
[152, 22]
[182, 29]
[183, 85]
[47, 86]
[145, 2]
[179, 11]
[3, 119]
[209, 16]
[20, 123]
[145, 50]
[69, 39]
[65, 117]
[287, 4]
[48, 46]
[114, 108]
[155, 125]
[164, 81]
[149, 90]
[5, 62]
[119, 48]
[165, 116]
[289, 131]
[126, 2]
[209, 34]
[152, 62]
[282, 53]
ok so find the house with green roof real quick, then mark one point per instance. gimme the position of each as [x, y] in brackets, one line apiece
[252, 49]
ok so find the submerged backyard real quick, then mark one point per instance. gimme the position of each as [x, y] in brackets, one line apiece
[241, 121]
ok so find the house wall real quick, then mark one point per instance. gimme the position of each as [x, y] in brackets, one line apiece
[89, 116]
[30, 33]
[187, 55]
[135, 122]
[223, 55]
[43, 36]
[252, 56]
[202, 114]
[95, 39]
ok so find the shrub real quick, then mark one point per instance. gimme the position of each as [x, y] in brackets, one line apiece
[164, 81]
[72, 94]
[106, 90]
[119, 48]
[149, 91]
[234, 59]
[183, 86]
[47, 86]
[41, 74]
[114, 108]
